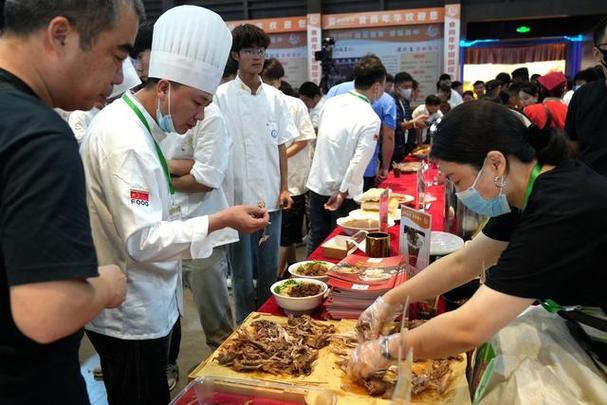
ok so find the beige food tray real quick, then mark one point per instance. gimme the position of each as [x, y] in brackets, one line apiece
[327, 375]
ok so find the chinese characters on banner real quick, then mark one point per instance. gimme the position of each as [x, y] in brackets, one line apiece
[274, 25]
[383, 18]
[314, 45]
[413, 49]
[451, 47]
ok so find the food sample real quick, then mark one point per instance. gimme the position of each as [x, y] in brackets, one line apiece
[277, 349]
[426, 375]
[297, 288]
[361, 223]
[315, 269]
[408, 167]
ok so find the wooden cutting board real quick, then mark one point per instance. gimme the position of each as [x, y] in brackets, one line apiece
[327, 375]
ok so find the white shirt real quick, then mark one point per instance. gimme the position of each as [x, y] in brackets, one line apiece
[129, 204]
[258, 124]
[299, 164]
[347, 136]
[455, 99]
[210, 146]
[420, 110]
[315, 112]
[79, 121]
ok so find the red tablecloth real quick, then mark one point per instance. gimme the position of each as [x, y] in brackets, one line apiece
[405, 184]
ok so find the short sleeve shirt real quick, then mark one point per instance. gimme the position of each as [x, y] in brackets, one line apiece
[45, 236]
[556, 245]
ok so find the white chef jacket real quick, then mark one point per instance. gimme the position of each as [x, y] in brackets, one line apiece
[258, 123]
[346, 141]
[129, 204]
[315, 112]
[299, 164]
[210, 145]
[455, 99]
[79, 121]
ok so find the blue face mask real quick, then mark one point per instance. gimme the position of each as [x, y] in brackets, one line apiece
[165, 122]
[489, 208]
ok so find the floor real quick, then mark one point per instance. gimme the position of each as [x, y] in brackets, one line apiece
[192, 352]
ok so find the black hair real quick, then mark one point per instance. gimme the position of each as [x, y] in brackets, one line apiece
[432, 100]
[598, 32]
[456, 84]
[143, 41]
[503, 77]
[272, 69]
[415, 84]
[530, 88]
[402, 77]
[468, 93]
[153, 81]
[515, 87]
[444, 76]
[587, 75]
[247, 36]
[231, 68]
[493, 84]
[471, 130]
[521, 73]
[310, 90]
[368, 71]
[476, 83]
[535, 76]
[389, 78]
[287, 89]
[91, 18]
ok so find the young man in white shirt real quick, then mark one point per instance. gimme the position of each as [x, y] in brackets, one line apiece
[258, 120]
[431, 112]
[347, 136]
[135, 219]
[298, 154]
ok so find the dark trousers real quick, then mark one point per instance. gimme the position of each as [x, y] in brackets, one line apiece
[368, 183]
[175, 342]
[323, 221]
[134, 371]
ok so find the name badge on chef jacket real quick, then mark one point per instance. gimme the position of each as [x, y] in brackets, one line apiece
[272, 129]
[174, 211]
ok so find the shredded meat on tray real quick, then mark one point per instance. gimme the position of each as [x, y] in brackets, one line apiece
[305, 290]
[272, 348]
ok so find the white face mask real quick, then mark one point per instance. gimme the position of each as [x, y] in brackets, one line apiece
[406, 93]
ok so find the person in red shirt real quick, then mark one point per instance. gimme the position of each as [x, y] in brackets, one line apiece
[552, 111]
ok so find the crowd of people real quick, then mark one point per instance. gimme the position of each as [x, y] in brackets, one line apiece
[200, 162]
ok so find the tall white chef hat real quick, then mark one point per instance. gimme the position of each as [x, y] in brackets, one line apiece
[130, 79]
[190, 46]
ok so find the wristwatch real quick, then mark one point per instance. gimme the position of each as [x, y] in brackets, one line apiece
[384, 346]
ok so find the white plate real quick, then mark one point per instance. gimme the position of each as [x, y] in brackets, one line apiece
[443, 243]
[360, 214]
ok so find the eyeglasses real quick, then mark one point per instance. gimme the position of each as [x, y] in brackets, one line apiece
[254, 51]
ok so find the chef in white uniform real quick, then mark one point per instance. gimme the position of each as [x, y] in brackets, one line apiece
[80, 120]
[206, 150]
[134, 216]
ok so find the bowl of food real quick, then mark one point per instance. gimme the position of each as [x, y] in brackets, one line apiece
[299, 295]
[352, 225]
[312, 269]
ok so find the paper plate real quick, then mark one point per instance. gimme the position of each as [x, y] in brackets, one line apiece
[443, 243]
[362, 214]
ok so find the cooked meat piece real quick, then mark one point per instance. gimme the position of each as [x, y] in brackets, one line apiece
[304, 289]
[375, 386]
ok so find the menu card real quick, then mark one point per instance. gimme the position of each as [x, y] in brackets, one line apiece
[415, 231]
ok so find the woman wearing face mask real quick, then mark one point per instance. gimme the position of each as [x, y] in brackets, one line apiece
[542, 206]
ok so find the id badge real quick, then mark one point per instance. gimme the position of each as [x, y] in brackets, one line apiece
[174, 211]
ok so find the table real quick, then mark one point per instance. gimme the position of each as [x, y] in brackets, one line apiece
[405, 184]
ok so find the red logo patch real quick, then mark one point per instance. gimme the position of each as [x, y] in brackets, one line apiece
[140, 195]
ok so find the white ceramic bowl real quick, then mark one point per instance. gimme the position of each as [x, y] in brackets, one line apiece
[293, 270]
[360, 224]
[300, 305]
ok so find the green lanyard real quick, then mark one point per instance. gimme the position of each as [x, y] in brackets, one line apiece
[534, 174]
[163, 161]
[355, 94]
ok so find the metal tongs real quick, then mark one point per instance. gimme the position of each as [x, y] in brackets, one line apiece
[402, 390]
[264, 236]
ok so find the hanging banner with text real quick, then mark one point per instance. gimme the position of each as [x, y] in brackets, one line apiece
[314, 45]
[452, 37]
[292, 51]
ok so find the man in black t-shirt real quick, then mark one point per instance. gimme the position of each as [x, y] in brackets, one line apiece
[586, 124]
[50, 285]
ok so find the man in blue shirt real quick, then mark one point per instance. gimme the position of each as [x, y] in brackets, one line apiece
[385, 108]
